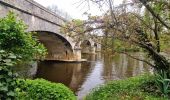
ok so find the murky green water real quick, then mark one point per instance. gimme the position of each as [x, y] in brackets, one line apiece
[82, 77]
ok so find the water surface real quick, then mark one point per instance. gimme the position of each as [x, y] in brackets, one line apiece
[82, 77]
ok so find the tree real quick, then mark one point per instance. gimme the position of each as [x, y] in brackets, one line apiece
[128, 22]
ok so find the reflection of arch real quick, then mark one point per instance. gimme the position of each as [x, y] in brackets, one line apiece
[58, 46]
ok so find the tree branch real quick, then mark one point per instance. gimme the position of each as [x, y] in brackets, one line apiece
[147, 62]
[154, 14]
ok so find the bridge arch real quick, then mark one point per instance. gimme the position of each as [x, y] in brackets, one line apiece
[86, 46]
[61, 36]
[58, 46]
[86, 43]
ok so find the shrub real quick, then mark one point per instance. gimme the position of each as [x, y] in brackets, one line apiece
[15, 45]
[7, 77]
[128, 89]
[41, 89]
[15, 39]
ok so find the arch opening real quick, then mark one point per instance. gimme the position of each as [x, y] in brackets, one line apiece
[86, 43]
[95, 45]
[58, 47]
[86, 46]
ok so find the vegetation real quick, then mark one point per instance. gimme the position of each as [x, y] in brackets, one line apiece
[41, 89]
[165, 43]
[116, 45]
[128, 23]
[141, 23]
[162, 82]
[18, 46]
[15, 45]
[7, 77]
[15, 39]
[77, 25]
[135, 88]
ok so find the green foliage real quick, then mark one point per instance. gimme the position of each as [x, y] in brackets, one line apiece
[41, 89]
[15, 45]
[164, 42]
[162, 82]
[13, 38]
[7, 78]
[129, 89]
[117, 45]
[120, 46]
[78, 26]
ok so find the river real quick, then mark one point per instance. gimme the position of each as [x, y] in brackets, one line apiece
[82, 77]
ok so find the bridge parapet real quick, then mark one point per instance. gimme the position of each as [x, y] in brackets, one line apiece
[33, 8]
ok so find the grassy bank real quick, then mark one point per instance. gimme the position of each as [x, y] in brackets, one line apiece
[135, 88]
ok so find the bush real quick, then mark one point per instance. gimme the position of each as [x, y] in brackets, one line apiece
[7, 77]
[15, 39]
[41, 89]
[15, 45]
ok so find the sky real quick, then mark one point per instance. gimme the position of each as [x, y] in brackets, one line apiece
[74, 7]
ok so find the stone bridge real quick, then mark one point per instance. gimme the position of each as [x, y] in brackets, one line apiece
[89, 46]
[47, 24]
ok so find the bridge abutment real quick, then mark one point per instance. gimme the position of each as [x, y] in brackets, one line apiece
[77, 54]
[92, 50]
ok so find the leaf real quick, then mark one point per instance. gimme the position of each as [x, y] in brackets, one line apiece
[2, 51]
[11, 93]
[4, 88]
[1, 76]
[1, 84]
[12, 56]
[7, 60]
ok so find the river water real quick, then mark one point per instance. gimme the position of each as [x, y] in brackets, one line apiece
[82, 77]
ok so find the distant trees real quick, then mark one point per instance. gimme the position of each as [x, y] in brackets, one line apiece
[55, 9]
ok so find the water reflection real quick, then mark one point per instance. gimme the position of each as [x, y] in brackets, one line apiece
[121, 66]
[70, 74]
[26, 70]
[100, 68]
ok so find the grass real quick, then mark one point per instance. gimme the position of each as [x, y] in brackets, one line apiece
[135, 88]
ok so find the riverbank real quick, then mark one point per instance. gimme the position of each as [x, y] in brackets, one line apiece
[135, 88]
